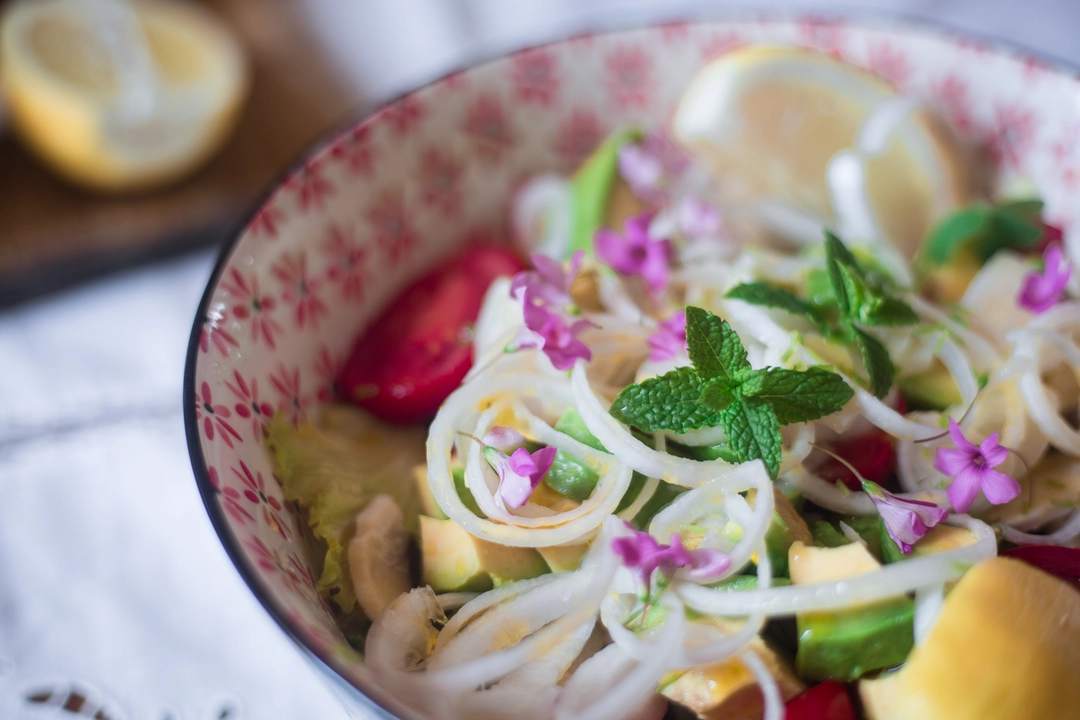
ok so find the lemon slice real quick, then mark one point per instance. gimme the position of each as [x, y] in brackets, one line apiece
[118, 96]
[769, 121]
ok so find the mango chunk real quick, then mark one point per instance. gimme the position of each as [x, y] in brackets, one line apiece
[1005, 647]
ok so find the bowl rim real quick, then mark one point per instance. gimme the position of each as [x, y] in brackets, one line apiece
[863, 18]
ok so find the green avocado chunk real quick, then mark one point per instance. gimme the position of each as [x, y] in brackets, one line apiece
[786, 527]
[931, 389]
[568, 476]
[455, 561]
[847, 644]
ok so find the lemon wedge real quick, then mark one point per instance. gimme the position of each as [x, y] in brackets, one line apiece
[120, 96]
[769, 122]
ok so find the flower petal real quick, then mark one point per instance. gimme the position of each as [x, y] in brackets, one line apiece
[951, 461]
[614, 252]
[707, 564]
[992, 452]
[504, 439]
[957, 435]
[964, 488]
[999, 488]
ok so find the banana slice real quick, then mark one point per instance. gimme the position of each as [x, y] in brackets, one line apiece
[379, 555]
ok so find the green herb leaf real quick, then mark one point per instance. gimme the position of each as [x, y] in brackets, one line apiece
[879, 367]
[719, 393]
[960, 228]
[753, 432]
[667, 402]
[775, 297]
[798, 396]
[887, 310]
[715, 349]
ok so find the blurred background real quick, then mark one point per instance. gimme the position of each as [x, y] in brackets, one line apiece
[116, 599]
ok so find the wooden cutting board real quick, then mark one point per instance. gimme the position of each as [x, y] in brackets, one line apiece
[53, 235]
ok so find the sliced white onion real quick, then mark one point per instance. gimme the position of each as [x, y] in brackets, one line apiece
[541, 216]
[829, 495]
[889, 581]
[986, 357]
[928, 604]
[774, 702]
[461, 413]
[1066, 535]
[454, 600]
[630, 684]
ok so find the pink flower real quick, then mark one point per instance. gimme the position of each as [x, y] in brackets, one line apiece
[669, 339]
[1042, 291]
[520, 472]
[548, 283]
[972, 468]
[635, 253]
[650, 166]
[503, 439]
[905, 520]
[640, 552]
[546, 330]
[699, 219]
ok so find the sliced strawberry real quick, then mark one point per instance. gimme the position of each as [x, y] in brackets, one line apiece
[825, 701]
[871, 453]
[419, 351]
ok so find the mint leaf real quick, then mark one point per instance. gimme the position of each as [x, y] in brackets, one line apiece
[879, 368]
[753, 432]
[985, 229]
[667, 402]
[836, 258]
[715, 349]
[887, 310]
[774, 297]
[719, 393]
[957, 229]
[798, 395]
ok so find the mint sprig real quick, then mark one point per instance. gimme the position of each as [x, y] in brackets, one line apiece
[860, 302]
[722, 389]
[985, 229]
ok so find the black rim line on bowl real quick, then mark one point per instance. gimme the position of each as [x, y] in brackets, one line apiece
[861, 17]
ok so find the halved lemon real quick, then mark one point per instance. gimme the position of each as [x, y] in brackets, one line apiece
[768, 121]
[120, 96]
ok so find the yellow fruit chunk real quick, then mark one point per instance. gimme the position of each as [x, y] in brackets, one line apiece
[453, 560]
[140, 110]
[942, 538]
[1005, 647]
[766, 121]
[810, 565]
[728, 690]
[563, 558]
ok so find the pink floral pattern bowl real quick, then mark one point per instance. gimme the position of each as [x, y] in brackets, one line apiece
[394, 194]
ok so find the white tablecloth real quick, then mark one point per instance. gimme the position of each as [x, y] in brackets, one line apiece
[115, 594]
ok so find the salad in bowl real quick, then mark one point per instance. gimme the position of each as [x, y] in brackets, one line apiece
[766, 409]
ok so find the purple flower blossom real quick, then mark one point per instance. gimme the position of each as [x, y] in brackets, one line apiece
[905, 520]
[972, 468]
[698, 219]
[548, 284]
[1042, 291]
[546, 329]
[520, 473]
[669, 339]
[650, 166]
[503, 439]
[635, 253]
[643, 554]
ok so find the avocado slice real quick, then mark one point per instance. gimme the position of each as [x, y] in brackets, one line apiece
[849, 643]
[427, 498]
[786, 527]
[931, 389]
[593, 187]
[455, 561]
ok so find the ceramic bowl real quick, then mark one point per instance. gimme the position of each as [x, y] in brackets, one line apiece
[389, 197]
